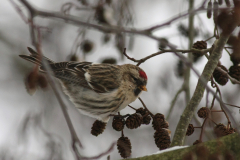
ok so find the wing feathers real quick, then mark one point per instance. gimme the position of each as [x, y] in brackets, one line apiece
[99, 77]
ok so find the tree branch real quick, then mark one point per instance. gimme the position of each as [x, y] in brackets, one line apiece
[199, 91]
[221, 146]
[76, 21]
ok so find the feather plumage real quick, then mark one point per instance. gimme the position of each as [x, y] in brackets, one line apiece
[97, 90]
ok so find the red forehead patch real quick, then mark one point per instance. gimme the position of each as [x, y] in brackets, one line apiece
[142, 74]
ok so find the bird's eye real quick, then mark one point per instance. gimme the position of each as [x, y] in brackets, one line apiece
[135, 79]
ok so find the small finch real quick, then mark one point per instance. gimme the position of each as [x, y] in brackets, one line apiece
[97, 90]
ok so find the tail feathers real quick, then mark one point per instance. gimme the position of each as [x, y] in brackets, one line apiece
[34, 57]
[31, 59]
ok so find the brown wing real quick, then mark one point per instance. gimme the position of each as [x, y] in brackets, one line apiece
[101, 77]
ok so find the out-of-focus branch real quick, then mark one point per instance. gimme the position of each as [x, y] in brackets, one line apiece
[75, 20]
[232, 105]
[178, 17]
[221, 145]
[190, 43]
[37, 43]
[74, 137]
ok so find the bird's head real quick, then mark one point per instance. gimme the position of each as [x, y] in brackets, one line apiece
[137, 77]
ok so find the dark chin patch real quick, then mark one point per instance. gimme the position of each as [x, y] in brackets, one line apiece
[137, 91]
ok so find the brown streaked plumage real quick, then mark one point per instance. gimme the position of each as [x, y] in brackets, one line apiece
[97, 90]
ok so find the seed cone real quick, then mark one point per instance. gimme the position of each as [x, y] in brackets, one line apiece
[234, 71]
[159, 122]
[220, 130]
[118, 123]
[190, 130]
[235, 58]
[220, 77]
[110, 61]
[145, 115]
[203, 112]
[124, 147]
[230, 131]
[199, 45]
[134, 121]
[98, 128]
[162, 138]
[87, 46]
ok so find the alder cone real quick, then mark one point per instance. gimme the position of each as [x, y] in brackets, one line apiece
[203, 112]
[234, 71]
[235, 58]
[220, 130]
[162, 138]
[145, 115]
[73, 57]
[124, 147]
[159, 122]
[87, 46]
[190, 130]
[118, 123]
[98, 128]
[230, 131]
[110, 61]
[220, 77]
[134, 121]
[198, 45]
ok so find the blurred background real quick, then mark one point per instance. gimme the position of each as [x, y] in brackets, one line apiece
[33, 127]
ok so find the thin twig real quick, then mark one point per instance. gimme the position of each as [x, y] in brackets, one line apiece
[227, 51]
[209, 38]
[145, 107]
[56, 91]
[221, 104]
[216, 111]
[115, 29]
[132, 107]
[232, 105]
[202, 129]
[177, 17]
[164, 51]
[212, 120]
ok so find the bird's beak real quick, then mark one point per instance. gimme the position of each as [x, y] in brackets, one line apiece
[143, 88]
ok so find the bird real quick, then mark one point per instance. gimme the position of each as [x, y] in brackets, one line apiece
[96, 90]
